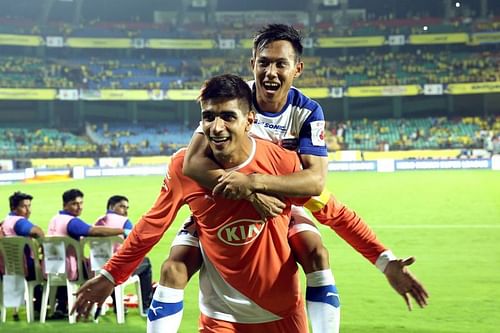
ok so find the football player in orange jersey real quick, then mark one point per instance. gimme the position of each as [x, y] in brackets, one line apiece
[249, 278]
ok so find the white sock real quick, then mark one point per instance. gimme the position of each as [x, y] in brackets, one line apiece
[323, 304]
[165, 311]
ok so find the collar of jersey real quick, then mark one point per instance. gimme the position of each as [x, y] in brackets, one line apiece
[248, 160]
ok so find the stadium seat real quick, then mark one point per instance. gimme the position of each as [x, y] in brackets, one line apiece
[55, 249]
[12, 251]
[101, 249]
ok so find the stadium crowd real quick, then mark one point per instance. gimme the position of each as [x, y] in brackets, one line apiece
[419, 133]
[370, 24]
[366, 69]
[121, 139]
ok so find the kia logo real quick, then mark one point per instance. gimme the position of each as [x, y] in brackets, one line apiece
[240, 232]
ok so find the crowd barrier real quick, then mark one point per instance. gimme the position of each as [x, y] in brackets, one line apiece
[381, 165]
[390, 165]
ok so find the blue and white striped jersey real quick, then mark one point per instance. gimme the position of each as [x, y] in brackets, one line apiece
[299, 125]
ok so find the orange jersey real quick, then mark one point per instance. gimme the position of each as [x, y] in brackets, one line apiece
[249, 273]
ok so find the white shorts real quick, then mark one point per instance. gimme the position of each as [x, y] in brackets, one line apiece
[299, 222]
[187, 234]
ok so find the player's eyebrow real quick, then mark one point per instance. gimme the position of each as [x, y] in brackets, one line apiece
[223, 112]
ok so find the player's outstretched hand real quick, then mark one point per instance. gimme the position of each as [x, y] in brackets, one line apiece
[234, 185]
[94, 291]
[405, 284]
[266, 205]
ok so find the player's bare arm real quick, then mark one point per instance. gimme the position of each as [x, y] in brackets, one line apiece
[199, 166]
[308, 182]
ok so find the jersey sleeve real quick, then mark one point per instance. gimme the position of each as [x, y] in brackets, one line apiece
[151, 226]
[23, 227]
[347, 224]
[128, 225]
[77, 228]
[312, 134]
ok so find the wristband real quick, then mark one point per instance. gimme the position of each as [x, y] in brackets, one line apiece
[108, 276]
[383, 259]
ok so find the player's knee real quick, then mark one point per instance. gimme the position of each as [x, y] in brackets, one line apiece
[174, 274]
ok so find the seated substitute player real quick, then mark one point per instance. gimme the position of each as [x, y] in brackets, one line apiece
[249, 278]
[117, 217]
[68, 223]
[17, 223]
[283, 115]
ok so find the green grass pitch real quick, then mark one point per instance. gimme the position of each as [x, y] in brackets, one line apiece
[449, 220]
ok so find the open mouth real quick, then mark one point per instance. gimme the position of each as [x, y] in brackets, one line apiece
[271, 86]
[219, 141]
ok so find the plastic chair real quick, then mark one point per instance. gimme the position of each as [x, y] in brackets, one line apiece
[51, 246]
[12, 251]
[101, 250]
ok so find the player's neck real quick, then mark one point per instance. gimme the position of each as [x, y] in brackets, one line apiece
[273, 107]
[238, 157]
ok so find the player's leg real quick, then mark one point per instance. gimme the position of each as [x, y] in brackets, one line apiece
[145, 273]
[323, 305]
[165, 312]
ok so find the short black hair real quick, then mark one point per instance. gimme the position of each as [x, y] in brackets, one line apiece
[276, 32]
[114, 200]
[16, 198]
[71, 195]
[227, 87]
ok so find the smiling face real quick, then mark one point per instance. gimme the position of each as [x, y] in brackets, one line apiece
[226, 124]
[275, 67]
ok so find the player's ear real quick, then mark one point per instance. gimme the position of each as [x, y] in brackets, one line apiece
[250, 120]
[299, 67]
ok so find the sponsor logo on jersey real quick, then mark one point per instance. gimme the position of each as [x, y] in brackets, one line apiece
[240, 232]
[272, 126]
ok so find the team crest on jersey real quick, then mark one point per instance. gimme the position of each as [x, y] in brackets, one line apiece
[318, 132]
[240, 232]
